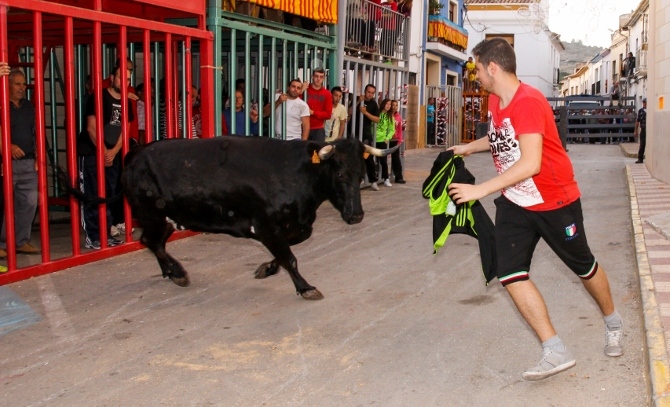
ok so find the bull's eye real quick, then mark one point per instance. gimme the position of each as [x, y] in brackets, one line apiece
[340, 175]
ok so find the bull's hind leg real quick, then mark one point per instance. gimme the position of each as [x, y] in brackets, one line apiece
[155, 234]
[267, 269]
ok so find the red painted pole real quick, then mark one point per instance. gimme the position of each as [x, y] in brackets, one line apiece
[71, 132]
[99, 135]
[40, 145]
[168, 80]
[148, 88]
[187, 78]
[7, 188]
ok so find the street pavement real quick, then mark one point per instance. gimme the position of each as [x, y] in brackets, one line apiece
[398, 326]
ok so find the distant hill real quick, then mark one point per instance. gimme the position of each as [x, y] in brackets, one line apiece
[576, 54]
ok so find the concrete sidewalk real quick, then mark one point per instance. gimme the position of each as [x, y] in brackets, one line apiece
[650, 213]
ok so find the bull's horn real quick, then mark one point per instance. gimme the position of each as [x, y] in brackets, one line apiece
[381, 153]
[326, 152]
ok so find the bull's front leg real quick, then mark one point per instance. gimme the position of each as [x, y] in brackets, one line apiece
[279, 247]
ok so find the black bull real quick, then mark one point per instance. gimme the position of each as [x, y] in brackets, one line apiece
[252, 187]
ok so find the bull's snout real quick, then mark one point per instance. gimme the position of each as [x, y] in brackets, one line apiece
[353, 218]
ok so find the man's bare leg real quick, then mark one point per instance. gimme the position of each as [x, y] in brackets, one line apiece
[530, 304]
[599, 288]
[555, 356]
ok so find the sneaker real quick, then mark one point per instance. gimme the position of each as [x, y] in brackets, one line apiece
[28, 249]
[551, 364]
[374, 186]
[400, 181]
[95, 244]
[114, 231]
[613, 342]
[111, 242]
[387, 182]
[365, 184]
[3, 269]
[121, 227]
[639, 162]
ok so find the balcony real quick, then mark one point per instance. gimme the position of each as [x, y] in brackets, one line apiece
[446, 38]
[640, 70]
[376, 32]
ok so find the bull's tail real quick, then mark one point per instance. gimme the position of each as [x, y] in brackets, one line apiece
[68, 189]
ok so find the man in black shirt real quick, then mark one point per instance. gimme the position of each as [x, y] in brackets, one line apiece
[86, 149]
[24, 167]
[369, 114]
[641, 130]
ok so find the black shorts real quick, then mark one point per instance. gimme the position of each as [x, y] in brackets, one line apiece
[518, 230]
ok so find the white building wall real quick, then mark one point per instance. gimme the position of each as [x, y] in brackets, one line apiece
[535, 53]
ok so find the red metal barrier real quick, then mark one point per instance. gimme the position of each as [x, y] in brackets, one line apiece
[62, 24]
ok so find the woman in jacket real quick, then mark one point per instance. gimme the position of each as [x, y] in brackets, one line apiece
[396, 164]
[385, 132]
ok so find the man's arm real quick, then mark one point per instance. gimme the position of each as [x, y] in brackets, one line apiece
[528, 165]
[481, 144]
[305, 127]
[368, 114]
[343, 123]
[90, 127]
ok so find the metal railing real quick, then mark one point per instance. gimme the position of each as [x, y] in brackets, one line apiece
[447, 122]
[375, 31]
[641, 61]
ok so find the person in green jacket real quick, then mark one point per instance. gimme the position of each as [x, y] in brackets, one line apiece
[385, 131]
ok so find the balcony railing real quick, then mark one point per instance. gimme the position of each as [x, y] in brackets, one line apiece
[641, 61]
[447, 32]
[376, 32]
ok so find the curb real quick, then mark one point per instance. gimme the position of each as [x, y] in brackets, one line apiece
[629, 152]
[659, 368]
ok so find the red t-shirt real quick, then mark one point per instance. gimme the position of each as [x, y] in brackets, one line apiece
[529, 112]
[321, 103]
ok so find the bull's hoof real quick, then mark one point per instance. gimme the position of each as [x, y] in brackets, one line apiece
[312, 295]
[181, 281]
[266, 270]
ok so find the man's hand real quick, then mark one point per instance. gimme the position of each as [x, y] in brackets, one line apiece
[133, 96]
[305, 85]
[283, 97]
[4, 69]
[363, 109]
[109, 156]
[17, 152]
[461, 149]
[462, 193]
[253, 115]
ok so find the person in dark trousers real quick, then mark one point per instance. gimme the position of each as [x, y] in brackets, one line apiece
[86, 149]
[24, 166]
[540, 199]
[368, 114]
[641, 130]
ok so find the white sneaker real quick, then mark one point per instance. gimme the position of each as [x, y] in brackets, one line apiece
[115, 231]
[387, 182]
[121, 227]
[374, 186]
[364, 184]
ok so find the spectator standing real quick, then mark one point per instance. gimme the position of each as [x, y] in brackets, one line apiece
[471, 75]
[297, 113]
[390, 24]
[24, 166]
[396, 164]
[141, 114]
[335, 126]
[86, 149]
[641, 130]
[540, 199]
[240, 118]
[196, 113]
[369, 115]
[430, 120]
[630, 64]
[320, 103]
[385, 132]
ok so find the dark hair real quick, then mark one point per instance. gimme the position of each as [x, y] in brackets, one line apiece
[498, 51]
[239, 81]
[369, 85]
[383, 103]
[336, 89]
[319, 70]
[295, 80]
[139, 88]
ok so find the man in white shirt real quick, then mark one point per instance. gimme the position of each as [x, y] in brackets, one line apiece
[296, 110]
[335, 126]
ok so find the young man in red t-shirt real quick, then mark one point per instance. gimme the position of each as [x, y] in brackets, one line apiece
[540, 199]
[320, 102]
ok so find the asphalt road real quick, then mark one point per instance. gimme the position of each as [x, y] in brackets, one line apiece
[398, 326]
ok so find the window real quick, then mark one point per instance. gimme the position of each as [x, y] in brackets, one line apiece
[452, 12]
[508, 37]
